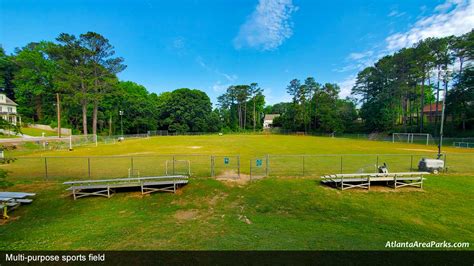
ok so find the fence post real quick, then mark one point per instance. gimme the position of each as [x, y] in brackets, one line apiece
[250, 169]
[45, 168]
[267, 160]
[131, 164]
[341, 164]
[377, 164]
[303, 165]
[89, 166]
[212, 166]
[411, 163]
[173, 163]
[238, 166]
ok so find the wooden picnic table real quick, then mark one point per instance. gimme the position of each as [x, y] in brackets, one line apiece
[17, 195]
[11, 200]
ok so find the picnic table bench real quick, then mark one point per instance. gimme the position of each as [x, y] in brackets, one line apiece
[363, 180]
[12, 200]
[106, 187]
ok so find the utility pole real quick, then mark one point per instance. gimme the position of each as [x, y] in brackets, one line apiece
[441, 130]
[121, 121]
[58, 106]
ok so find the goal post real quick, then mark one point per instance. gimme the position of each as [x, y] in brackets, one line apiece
[82, 140]
[424, 138]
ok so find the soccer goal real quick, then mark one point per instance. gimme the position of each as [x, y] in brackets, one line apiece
[178, 167]
[463, 144]
[421, 138]
[82, 140]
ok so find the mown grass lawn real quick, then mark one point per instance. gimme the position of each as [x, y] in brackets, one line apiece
[245, 145]
[34, 132]
[150, 156]
[272, 213]
[268, 214]
[6, 136]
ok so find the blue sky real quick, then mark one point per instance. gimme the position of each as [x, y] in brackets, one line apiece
[209, 45]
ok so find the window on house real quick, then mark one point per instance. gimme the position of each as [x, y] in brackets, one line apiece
[10, 110]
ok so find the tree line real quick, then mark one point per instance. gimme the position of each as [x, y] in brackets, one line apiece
[241, 107]
[83, 71]
[394, 91]
[315, 107]
[387, 97]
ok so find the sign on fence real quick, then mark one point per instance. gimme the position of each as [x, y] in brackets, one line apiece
[225, 167]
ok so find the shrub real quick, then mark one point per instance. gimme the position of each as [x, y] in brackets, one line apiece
[3, 177]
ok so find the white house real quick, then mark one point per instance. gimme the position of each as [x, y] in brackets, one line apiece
[8, 109]
[268, 120]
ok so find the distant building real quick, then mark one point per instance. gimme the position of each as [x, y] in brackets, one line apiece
[430, 113]
[8, 109]
[268, 120]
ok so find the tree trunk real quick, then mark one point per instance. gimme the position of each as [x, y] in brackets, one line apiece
[84, 117]
[240, 116]
[94, 118]
[39, 107]
[84, 109]
[110, 125]
[422, 104]
[245, 115]
[254, 121]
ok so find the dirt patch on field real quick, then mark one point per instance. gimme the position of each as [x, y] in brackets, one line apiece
[186, 215]
[11, 219]
[139, 153]
[392, 190]
[426, 150]
[32, 187]
[219, 197]
[232, 177]
[136, 195]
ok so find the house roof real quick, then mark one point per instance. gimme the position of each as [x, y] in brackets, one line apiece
[10, 102]
[426, 108]
[271, 116]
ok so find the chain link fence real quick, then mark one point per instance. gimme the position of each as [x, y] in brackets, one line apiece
[223, 166]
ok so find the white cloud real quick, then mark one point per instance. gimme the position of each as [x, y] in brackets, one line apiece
[454, 17]
[396, 13]
[271, 98]
[357, 56]
[228, 77]
[268, 26]
[346, 86]
[179, 43]
[447, 5]
[219, 87]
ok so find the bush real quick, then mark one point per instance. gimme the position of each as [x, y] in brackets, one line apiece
[3, 176]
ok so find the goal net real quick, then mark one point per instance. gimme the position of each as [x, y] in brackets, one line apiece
[418, 138]
[81, 140]
[56, 143]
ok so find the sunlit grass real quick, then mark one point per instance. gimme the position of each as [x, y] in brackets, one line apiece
[285, 213]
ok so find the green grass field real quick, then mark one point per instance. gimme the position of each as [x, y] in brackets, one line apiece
[6, 136]
[34, 132]
[280, 212]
